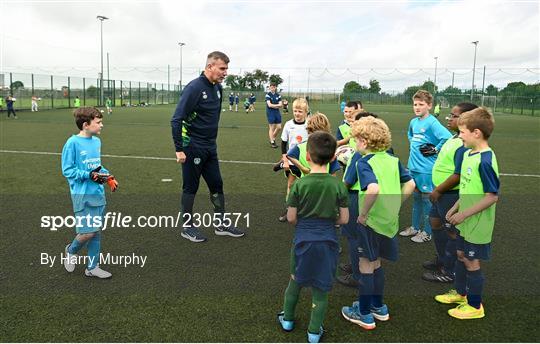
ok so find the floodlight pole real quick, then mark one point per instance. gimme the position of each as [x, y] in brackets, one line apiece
[181, 44]
[435, 78]
[473, 68]
[101, 18]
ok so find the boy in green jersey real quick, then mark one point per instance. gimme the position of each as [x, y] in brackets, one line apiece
[343, 134]
[473, 214]
[384, 185]
[445, 177]
[317, 202]
[108, 104]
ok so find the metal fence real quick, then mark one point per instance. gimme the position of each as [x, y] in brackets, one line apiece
[56, 92]
[61, 92]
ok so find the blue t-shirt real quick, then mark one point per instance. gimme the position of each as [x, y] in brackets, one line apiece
[196, 118]
[80, 156]
[231, 99]
[236, 99]
[295, 153]
[252, 99]
[427, 130]
[274, 98]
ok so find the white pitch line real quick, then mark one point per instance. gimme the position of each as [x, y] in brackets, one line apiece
[223, 161]
[519, 175]
[138, 157]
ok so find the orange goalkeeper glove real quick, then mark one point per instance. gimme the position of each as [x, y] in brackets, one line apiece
[113, 184]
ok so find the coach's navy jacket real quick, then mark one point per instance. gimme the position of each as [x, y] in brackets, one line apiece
[195, 121]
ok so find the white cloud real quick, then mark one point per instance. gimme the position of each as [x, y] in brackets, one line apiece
[279, 36]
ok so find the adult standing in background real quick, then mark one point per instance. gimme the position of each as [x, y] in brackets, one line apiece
[9, 105]
[194, 130]
[273, 104]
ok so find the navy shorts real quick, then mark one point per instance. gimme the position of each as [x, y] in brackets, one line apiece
[441, 207]
[273, 117]
[372, 245]
[473, 251]
[349, 230]
[315, 264]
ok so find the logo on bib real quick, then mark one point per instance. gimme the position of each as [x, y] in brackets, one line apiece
[204, 95]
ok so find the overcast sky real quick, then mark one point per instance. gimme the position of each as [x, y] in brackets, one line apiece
[331, 41]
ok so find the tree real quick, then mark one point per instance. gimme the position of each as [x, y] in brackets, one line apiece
[410, 91]
[248, 81]
[276, 79]
[91, 91]
[260, 77]
[491, 90]
[451, 90]
[352, 87]
[233, 81]
[374, 86]
[15, 85]
[428, 86]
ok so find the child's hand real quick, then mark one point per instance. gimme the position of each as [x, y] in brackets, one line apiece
[434, 196]
[428, 149]
[457, 218]
[97, 177]
[450, 213]
[286, 165]
[362, 219]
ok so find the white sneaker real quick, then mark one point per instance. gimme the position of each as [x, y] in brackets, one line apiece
[409, 231]
[421, 237]
[97, 272]
[70, 260]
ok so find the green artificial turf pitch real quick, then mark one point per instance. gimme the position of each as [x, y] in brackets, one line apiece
[231, 289]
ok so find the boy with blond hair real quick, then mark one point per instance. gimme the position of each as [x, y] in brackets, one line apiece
[426, 136]
[473, 214]
[351, 271]
[294, 133]
[298, 154]
[384, 185]
[446, 173]
[316, 204]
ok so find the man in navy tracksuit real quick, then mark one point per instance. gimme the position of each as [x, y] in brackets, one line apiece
[194, 130]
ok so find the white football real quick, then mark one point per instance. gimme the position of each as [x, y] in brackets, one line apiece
[14, 99]
[344, 154]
